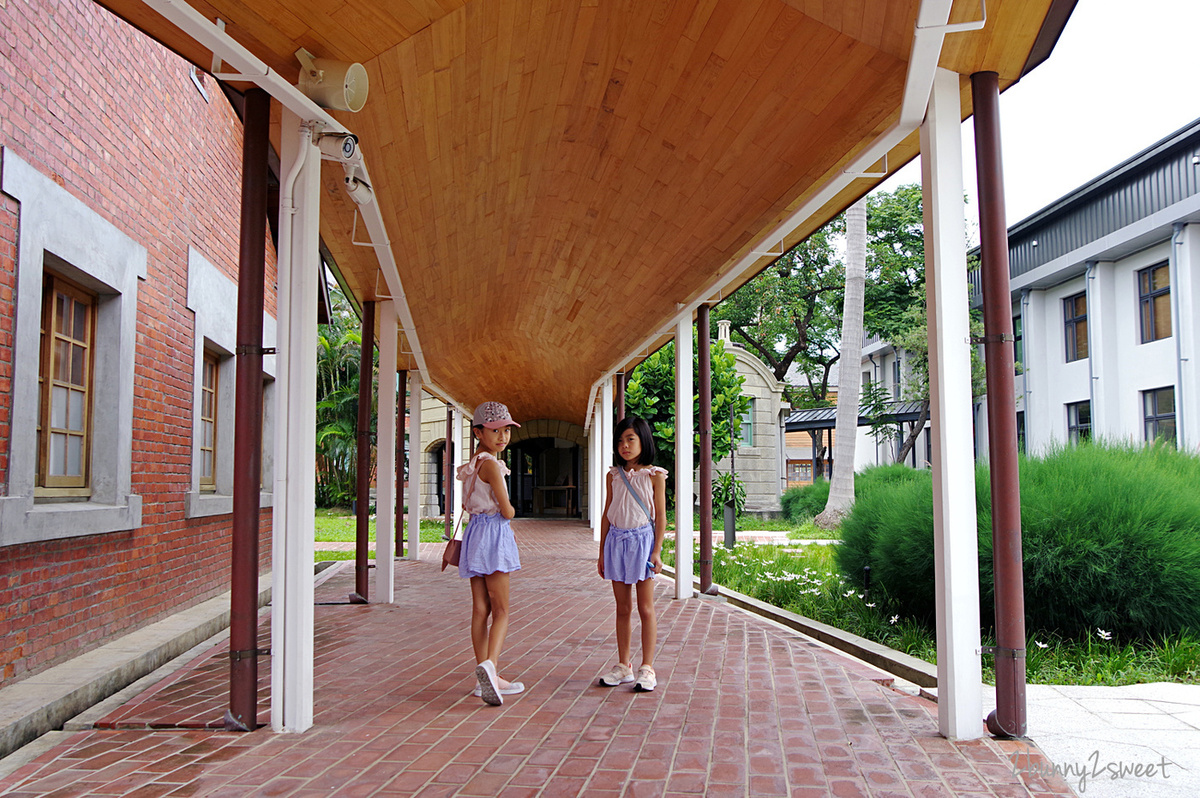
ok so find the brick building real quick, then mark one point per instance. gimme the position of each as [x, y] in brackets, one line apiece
[119, 238]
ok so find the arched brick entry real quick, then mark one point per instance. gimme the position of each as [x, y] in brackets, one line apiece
[550, 468]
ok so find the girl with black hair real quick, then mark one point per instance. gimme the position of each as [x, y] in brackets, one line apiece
[631, 536]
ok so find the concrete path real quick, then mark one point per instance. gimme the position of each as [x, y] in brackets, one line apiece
[744, 707]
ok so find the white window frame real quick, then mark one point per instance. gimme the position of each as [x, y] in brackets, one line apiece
[88, 250]
[212, 298]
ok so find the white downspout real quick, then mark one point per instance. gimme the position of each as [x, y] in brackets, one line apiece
[1025, 365]
[1088, 277]
[1173, 266]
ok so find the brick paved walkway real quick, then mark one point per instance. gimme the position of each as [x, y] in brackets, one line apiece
[743, 708]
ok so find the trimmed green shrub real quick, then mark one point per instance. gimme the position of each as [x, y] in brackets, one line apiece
[1111, 540]
[801, 503]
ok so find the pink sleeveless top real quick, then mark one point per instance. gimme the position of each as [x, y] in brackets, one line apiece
[623, 510]
[481, 499]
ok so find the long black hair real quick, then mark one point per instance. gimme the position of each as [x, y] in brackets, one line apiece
[642, 429]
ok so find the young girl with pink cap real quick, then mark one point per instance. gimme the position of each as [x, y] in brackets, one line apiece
[489, 550]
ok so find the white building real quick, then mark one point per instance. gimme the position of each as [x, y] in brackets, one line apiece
[1105, 288]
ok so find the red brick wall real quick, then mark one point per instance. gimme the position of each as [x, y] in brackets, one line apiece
[115, 119]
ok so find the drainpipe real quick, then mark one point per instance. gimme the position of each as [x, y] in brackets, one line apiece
[362, 491]
[1173, 267]
[1088, 276]
[1025, 365]
[706, 445]
[242, 714]
[1008, 719]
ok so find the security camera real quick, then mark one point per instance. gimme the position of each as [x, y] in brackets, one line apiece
[339, 147]
[359, 190]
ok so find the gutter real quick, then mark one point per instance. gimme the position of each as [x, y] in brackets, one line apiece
[249, 68]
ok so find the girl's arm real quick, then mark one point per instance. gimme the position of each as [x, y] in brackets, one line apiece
[659, 480]
[489, 472]
[604, 522]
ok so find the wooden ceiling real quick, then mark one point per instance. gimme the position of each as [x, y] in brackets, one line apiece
[558, 176]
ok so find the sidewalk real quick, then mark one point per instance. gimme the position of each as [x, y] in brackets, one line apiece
[744, 707]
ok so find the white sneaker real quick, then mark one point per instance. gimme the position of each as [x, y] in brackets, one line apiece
[646, 681]
[620, 674]
[514, 688]
[489, 683]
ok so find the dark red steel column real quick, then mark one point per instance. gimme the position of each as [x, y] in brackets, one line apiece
[362, 492]
[1008, 719]
[448, 472]
[401, 464]
[704, 341]
[620, 403]
[242, 714]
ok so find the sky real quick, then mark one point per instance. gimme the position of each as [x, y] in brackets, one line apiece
[1122, 76]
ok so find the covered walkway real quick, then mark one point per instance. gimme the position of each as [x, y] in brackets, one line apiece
[744, 707]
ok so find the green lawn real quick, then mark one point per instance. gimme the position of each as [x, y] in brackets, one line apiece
[337, 525]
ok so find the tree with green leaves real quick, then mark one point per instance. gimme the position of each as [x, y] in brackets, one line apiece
[338, 354]
[789, 315]
[650, 394]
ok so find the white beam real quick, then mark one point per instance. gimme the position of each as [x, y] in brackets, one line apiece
[295, 441]
[684, 394]
[385, 457]
[415, 456]
[956, 545]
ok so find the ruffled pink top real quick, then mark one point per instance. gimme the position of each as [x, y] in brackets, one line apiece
[481, 499]
[623, 510]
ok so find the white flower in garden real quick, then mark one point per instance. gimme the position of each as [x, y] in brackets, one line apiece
[894, 619]
[870, 603]
[1040, 644]
[1103, 634]
[848, 594]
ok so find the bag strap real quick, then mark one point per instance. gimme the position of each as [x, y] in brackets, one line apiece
[634, 493]
[464, 513]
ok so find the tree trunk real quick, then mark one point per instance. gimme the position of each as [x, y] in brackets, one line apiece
[841, 486]
[914, 432]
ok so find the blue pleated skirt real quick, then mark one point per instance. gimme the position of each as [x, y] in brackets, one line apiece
[627, 554]
[488, 546]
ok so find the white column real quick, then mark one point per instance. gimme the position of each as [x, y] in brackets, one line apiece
[461, 451]
[956, 554]
[607, 426]
[295, 441]
[415, 455]
[684, 394]
[385, 457]
[596, 470]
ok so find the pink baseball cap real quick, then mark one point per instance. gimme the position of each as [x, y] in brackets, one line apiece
[492, 415]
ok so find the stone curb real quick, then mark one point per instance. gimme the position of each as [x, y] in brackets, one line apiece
[897, 663]
[45, 701]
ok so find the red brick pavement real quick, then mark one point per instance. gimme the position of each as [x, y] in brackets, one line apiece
[742, 708]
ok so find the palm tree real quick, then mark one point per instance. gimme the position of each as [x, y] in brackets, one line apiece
[338, 354]
[841, 486]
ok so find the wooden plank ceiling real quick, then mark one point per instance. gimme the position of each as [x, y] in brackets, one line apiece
[556, 175]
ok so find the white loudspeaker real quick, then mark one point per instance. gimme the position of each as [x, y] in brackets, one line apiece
[333, 84]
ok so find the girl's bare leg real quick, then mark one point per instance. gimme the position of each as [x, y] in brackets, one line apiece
[645, 601]
[623, 593]
[481, 607]
[497, 594]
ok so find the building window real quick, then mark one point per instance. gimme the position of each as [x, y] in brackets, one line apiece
[1075, 320]
[64, 387]
[74, 338]
[208, 421]
[1079, 422]
[1018, 344]
[748, 426]
[1154, 294]
[1159, 412]
[896, 378]
[1021, 430]
[800, 471]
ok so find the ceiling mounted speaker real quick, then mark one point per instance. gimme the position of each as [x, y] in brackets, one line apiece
[333, 84]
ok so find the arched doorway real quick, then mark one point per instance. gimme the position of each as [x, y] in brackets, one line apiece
[546, 477]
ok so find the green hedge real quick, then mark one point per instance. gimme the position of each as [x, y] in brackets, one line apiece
[1111, 540]
[800, 504]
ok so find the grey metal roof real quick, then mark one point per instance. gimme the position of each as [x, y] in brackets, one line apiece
[825, 417]
[1156, 178]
